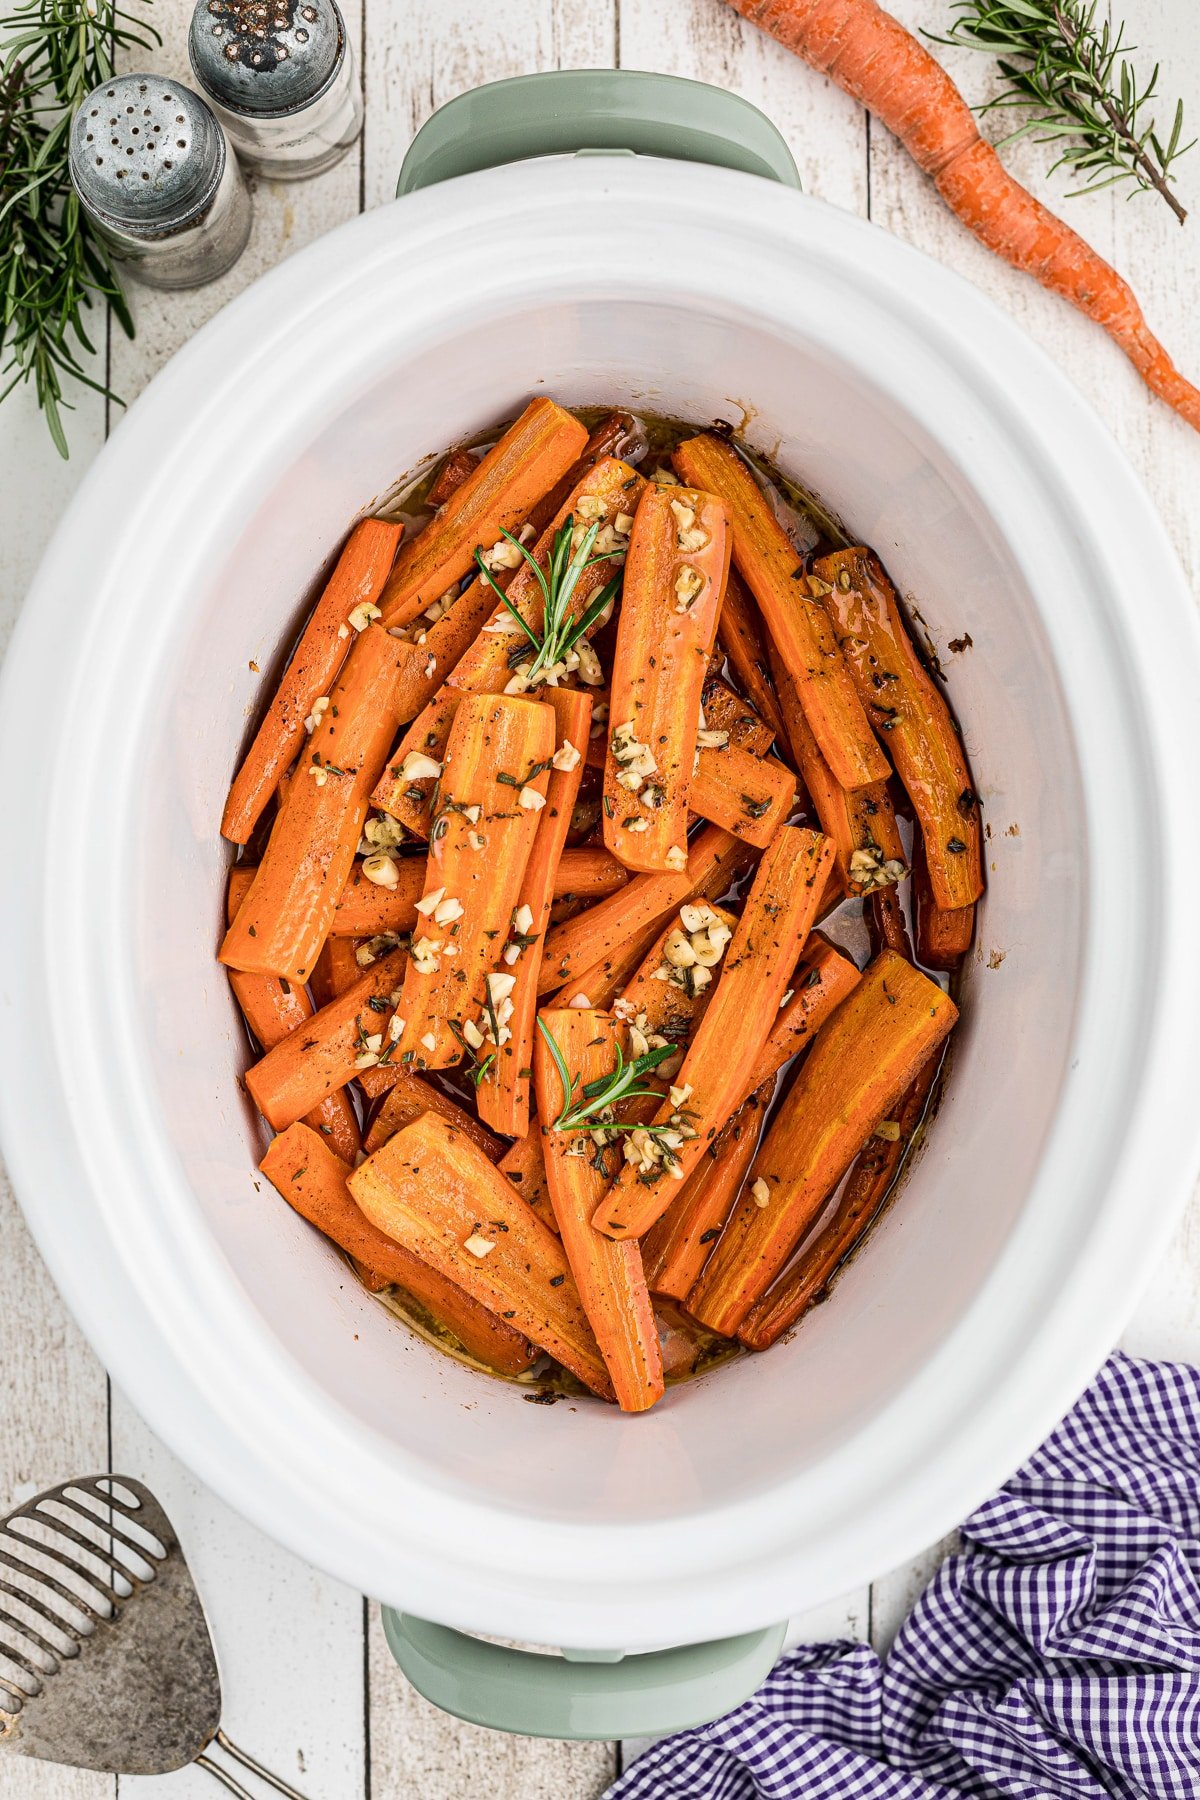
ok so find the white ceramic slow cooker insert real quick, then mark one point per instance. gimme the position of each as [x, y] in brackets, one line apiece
[1066, 1140]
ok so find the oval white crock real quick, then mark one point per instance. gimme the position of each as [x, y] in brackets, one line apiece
[1068, 1138]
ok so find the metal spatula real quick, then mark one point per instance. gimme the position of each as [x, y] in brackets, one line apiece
[106, 1661]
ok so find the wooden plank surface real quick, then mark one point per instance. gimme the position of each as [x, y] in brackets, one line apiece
[309, 1681]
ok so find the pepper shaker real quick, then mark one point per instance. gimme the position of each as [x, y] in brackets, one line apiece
[280, 76]
[150, 165]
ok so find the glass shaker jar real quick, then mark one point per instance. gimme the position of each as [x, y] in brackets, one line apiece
[280, 75]
[151, 168]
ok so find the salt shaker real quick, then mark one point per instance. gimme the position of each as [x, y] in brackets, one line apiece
[280, 76]
[152, 170]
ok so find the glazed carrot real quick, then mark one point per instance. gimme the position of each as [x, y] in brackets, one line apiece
[868, 1189]
[588, 872]
[610, 927]
[943, 937]
[905, 703]
[298, 1073]
[670, 603]
[356, 583]
[726, 710]
[749, 796]
[882, 66]
[335, 970]
[676, 1249]
[458, 464]
[681, 1339]
[715, 860]
[313, 1181]
[770, 565]
[497, 495]
[607, 494]
[285, 917]
[861, 822]
[776, 918]
[524, 1164]
[368, 908]
[860, 1066]
[410, 1096]
[273, 1009]
[609, 1276]
[668, 994]
[740, 635]
[490, 793]
[437, 1195]
[507, 1083]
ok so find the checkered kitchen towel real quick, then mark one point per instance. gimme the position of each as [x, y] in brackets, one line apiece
[1057, 1657]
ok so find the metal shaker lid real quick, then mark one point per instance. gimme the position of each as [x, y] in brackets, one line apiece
[266, 56]
[146, 153]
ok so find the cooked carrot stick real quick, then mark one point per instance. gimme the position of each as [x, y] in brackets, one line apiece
[524, 1164]
[882, 66]
[588, 872]
[668, 993]
[348, 1033]
[670, 603]
[715, 860]
[490, 794]
[335, 970]
[943, 936]
[740, 635]
[905, 704]
[436, 1194]
[861, 822]
[313, 1181]
[868, 1188]
[728, 711]
[411, 1095]
[497, 495]
[273, 1009]
[458, 464]
[771, 567]
[676, 1249]
[506, 1084]
[352, 590]
[747, 795]
[861, 1064]
[369, 908]
[609, 1276]
[285, 917]
[682, 1340]
[776, 918]
[606, 494]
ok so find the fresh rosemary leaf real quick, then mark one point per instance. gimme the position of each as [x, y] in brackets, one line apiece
[561, 629]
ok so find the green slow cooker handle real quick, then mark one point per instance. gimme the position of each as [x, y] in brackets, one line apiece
[613, 111]
[582, 1693]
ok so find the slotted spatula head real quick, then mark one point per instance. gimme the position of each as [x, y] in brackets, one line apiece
[106, 1661]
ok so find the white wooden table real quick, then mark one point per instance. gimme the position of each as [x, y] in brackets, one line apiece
[309, 1683]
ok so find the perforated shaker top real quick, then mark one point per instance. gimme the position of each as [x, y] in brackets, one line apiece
[146, 152]
[265, 56]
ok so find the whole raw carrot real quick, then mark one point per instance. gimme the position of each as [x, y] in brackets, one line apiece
[863, 1060]
[670, 603]
[861, 821]
[506, 1084]
[410, 1096]
[348, 1034]
[771, 567]
[285, 917]
[881, 65]
[313, 1181]
[351, 593]
[496, 496]
[868, 1187]
[436, 1194]
[609, 1276]
[905, 703]
[776, 918]
[491, 791]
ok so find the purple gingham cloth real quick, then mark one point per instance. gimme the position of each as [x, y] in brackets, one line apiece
[1056, 1657]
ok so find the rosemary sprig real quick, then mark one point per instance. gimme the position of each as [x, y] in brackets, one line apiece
[1064, 61]
[561, 630]
[480, 1065]
[606, 1091]
[52, 267]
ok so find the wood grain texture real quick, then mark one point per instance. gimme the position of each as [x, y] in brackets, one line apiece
[309, 1680]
